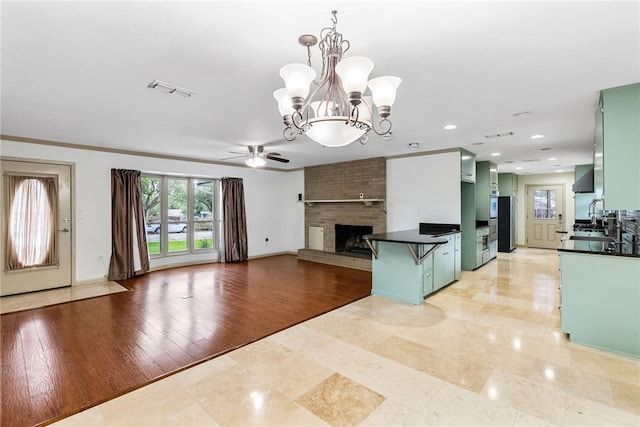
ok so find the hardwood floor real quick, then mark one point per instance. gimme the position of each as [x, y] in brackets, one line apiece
[61, 359]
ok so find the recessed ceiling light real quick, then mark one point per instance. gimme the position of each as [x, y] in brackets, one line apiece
[495, 154]
[552, 158]
[518, 168]
[558, 171]
[537, 136]
[414, 145]
[450, 127]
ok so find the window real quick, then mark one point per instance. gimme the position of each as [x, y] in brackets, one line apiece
[544, 204]
[180, 214]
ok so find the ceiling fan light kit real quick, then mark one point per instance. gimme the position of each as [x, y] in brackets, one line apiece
[335, 113]
[255, 162]
[256, 158]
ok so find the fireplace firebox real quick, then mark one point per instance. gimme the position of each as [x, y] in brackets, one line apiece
[349, 240]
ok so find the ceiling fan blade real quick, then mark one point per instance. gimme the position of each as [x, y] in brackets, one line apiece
[273, 154]
[277, 159]
[234, 157]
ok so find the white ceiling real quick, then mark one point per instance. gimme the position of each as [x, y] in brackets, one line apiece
[77, 72]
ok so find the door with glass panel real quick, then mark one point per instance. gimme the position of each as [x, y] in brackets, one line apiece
[545, 215]
[36, 223]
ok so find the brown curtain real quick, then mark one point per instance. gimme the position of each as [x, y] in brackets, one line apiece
[31, 222]
[129, 253]
[235, 220]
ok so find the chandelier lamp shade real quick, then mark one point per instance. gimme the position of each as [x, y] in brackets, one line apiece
[336, 112]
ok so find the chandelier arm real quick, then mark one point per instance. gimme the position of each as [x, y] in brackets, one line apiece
[385, 127]
[289, 133]
[354, 116]
[296, 120]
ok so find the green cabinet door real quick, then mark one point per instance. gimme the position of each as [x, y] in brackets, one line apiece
[467, 166]
[621, 130]
[444, 264]
[508, 184]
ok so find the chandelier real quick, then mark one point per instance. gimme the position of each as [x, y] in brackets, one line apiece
[336, 113]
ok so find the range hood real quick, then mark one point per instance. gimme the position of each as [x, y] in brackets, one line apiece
[584, 184]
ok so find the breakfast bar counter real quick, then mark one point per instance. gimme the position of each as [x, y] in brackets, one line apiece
[407, 265]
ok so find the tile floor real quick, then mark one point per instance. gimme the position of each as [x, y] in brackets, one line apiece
[486, 350]
[13, 303]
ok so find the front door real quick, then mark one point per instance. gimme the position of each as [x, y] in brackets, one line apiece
[35, 213]
[545, 215]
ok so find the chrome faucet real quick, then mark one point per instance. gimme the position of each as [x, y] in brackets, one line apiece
[593, 205]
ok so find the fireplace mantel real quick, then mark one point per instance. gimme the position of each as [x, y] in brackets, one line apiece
[367, 202]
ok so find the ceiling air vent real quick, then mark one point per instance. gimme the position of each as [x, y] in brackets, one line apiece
[530, 160]
[499, 135]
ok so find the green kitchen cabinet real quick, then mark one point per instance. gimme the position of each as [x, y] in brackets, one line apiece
[444, 264]
[600, 301]
[427, 276]
[617, 148]
[468, 225]
[486, 184]
[467, 166]
[493, 178]
[508, 184]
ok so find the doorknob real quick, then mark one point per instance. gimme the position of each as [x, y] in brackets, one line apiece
[64, 230]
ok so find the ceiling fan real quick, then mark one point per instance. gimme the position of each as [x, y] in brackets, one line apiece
[256, 157]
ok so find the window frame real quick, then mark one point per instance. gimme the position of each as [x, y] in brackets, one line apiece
[190, 234]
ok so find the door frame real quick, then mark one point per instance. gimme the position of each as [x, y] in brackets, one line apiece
[72, 193]
[527, 219]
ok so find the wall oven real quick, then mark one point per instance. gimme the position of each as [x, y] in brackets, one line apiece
[493, 207]
[493, 230]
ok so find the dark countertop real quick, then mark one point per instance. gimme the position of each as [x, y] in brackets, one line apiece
[586, 247]
[409, 236]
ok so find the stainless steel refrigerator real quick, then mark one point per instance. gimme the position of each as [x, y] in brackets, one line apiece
[506, 223]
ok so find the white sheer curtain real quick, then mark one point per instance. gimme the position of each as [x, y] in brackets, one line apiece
[31, 226]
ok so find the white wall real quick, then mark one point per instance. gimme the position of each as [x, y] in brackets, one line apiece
[566, 179]
[270, 199]
[423, 189]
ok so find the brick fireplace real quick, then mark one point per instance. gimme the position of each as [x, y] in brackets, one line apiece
[337, 189]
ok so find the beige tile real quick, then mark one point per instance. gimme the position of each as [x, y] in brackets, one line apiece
[391, 413]
[289, 372]
[408, 387]
[31, 300]
[238, 397]
[452, 368]
[626, 396]
[340, 401]
[454, 406]
[610, 364]
[584, 412]
[584, 384]
[535, 397]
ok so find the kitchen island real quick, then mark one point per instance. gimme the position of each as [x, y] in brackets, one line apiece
[408, 265]
[600, 296]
